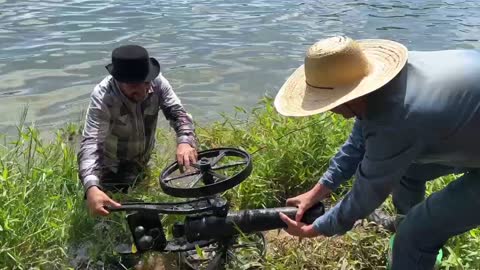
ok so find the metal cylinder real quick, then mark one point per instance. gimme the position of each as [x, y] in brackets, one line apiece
[245, 221]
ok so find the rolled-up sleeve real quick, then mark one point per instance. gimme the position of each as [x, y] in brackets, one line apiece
[344, 164]
[175, 113]
[90, 156]
[388, 155]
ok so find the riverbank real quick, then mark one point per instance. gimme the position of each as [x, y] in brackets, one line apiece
[44, 223]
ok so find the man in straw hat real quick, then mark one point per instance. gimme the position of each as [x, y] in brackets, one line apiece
[414, 122]
[119, 132]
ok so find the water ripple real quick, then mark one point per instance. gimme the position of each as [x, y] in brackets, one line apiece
[216, 53]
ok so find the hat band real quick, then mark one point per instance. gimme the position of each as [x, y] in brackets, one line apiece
[320, 87]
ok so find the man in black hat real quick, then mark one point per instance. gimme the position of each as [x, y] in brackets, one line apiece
[119, 132]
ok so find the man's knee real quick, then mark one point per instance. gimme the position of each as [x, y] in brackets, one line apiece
[408, 233]
[411, 189]
[417, 229]
[412, 247]
[407, 194]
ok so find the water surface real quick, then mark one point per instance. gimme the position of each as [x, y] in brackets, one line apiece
[216, 53]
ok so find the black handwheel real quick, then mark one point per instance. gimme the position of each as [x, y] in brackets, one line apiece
[217, 170]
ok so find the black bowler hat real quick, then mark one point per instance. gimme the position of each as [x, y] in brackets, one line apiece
[131, 64]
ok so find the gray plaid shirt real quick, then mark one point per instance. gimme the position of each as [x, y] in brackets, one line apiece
[117, 129]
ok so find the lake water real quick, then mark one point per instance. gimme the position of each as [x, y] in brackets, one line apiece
[216, 53]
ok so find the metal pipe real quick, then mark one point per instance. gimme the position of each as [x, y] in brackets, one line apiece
[246, 221]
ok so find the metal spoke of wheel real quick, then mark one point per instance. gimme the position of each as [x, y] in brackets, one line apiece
[181, 176]
[220, 177]
[195, 165]
[196, 180]
[217, 158]
[231, 165]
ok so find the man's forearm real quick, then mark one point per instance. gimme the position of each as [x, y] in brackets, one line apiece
[388, 155]
[182, 123]
[344, 164]
[89, 164]
[358, 203]
[97, 126]
[187, 138]
[174, 112]
[320, 191]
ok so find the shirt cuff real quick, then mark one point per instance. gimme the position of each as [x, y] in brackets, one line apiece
[328, 224]
[187, 139]
[327, 181]
[90, 181]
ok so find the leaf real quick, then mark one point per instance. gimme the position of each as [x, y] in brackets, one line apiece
[5, 223]
[240, 109]
[40, 150]
[5, 173]
[199, 252]
[69, 204]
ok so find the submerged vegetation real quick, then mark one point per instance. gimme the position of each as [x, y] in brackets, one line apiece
[44, 223]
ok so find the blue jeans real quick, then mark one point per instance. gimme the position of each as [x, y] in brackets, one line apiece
[429, 223]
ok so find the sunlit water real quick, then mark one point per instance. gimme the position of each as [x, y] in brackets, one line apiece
[217, 54]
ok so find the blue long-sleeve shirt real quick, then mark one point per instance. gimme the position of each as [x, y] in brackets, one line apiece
[345, 163]
[429, 114]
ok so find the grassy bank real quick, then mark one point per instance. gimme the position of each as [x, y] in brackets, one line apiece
[44, 223]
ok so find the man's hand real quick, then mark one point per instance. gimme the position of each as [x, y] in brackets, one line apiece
[299, 229]
[186, 154]
[97, 200]
[308, 199]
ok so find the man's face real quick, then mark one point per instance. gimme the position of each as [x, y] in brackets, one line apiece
[356, 107]
[136, 92]
[344, 111]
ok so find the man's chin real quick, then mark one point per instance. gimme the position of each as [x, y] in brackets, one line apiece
[136, 99]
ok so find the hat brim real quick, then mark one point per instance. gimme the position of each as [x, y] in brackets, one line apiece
[153, 71]
[297, 98]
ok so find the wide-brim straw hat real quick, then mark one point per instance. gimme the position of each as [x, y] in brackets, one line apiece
[337, 70]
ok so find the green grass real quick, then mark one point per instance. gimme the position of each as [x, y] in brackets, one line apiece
[43, 219]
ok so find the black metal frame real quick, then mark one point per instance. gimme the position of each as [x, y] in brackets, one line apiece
[208, 219]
